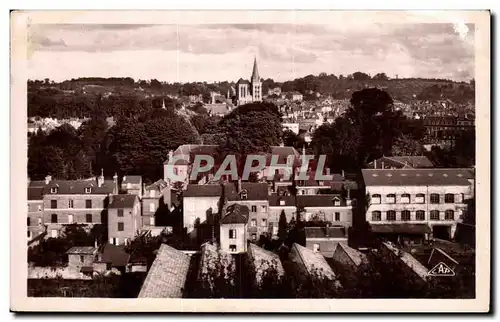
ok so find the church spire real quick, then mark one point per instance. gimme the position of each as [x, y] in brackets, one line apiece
[255, 72]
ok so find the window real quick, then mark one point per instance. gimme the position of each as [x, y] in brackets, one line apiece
[254, 236]
[152, 207]
[152, 221]
[376, 198]
[88, 190]
[70, 203]
[263, 222]
[53, 190]
[152, 193]
[391, 215]
[53, 218]
[282, 202]
[316, 247]
[53, 204]
[39, 207]
[232, 248]
[253, 222]
[88, 204]
[434, 198]
[263, 208]
[420, 198]
[81, 258]
[120, 226]
[70, 219]
[254, 208]
[336, 201]
[449, 198]
[244, 195]
[88, 218]
[120, 212]
[391, 198]
[29, 234]
[232, 233]
[39, 221]
[29, 221]
[337, 216]
[405, 215]
[405, 198]
[420, 215]
[449, 215]
[376, 216]
[434, 214]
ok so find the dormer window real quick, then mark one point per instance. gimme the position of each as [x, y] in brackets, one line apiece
[88, 189]
[152, 193]
[244, 195]
[336, 201]
[53, 190]
[282, 202]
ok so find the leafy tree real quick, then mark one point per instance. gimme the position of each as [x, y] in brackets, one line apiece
[360, 76]
[292, 139]
[405, 145]
[250, 128]
[282, 226]
[380, 76]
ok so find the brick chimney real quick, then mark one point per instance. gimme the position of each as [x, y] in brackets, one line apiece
[100, 179]
[48, 179]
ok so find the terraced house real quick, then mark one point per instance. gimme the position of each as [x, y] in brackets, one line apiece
[424, 203]
[74, 201]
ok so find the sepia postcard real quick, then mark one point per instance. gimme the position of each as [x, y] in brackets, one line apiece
[250, 161]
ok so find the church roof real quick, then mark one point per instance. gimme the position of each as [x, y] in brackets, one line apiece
[255, 71]
[242, 81]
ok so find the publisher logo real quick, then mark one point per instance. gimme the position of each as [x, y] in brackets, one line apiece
[441, 269]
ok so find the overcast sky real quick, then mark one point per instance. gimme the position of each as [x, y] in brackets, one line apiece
[225, 52]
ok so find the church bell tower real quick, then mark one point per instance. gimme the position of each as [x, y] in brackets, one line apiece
[256, 83]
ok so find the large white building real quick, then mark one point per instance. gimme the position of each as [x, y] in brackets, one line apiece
[411, 201]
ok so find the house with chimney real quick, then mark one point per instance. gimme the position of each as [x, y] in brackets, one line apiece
[124, 218]
[75, 201]
[132, 184]
[233, 229]
[332, 208]
[156, 201]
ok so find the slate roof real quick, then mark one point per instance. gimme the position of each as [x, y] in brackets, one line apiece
[35, 193]
[167, 275]
[236, 214]
[263, 259]
[408, 260]
[400, 228]
[205, 190]
[416, 177]
[157, 186]
[325, 232]
[68, 187]
[243, 81]
[82, 250]
[402, 161]
[275, 200]
[319, 201]
[123, 201]
[116, 255]
[132, 179]
[254, 190]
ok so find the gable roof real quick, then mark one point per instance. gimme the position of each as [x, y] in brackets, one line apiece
[157, 186]
[402, 161]
[236, 214]
[68, 187]
[167, 275]
[243, 81]
[325, 232]
[262, 259]
[356, 256]
[35, 193]
[416, 177]
[319, 201]
[123, 201]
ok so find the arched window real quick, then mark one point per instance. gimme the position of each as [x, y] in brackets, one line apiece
[434, 214]
[391, 198]
[405, 198]
[449, 214]
[434, 198]
[376, 198]
[420, 215]
[420, 198]
[405, 215]
[449, 198]
[391, 215]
